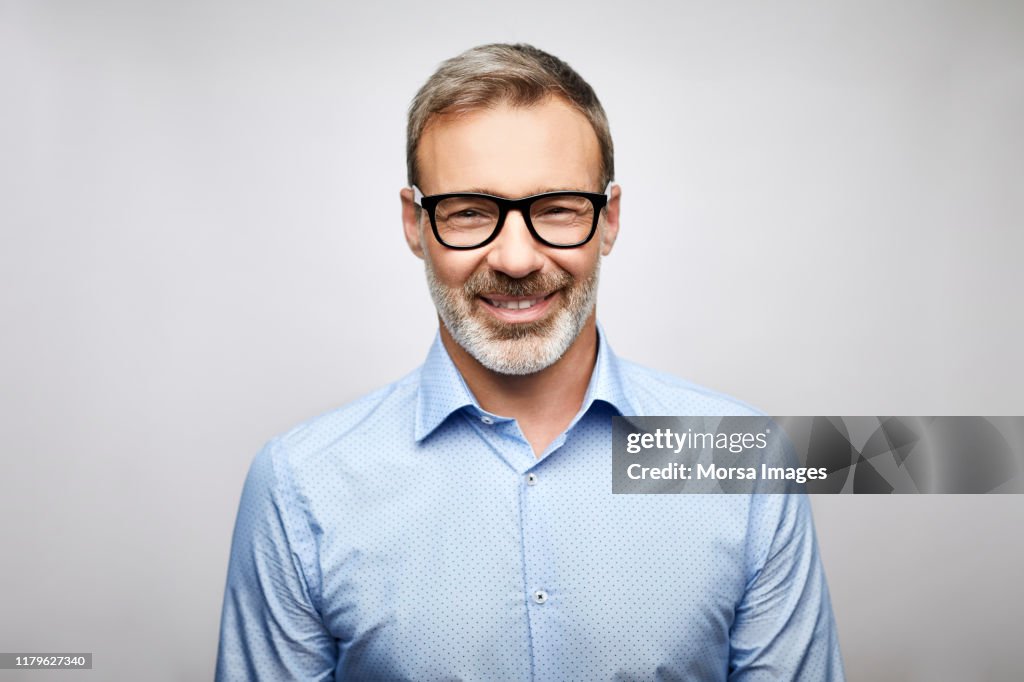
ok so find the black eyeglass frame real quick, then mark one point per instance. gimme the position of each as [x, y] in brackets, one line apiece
[429, 204]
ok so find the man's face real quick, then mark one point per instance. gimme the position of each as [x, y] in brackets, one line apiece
[515, 304]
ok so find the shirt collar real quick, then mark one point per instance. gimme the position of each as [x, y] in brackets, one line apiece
[606, 382]
[443, 391]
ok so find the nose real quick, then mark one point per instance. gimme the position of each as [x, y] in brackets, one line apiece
[515, 252]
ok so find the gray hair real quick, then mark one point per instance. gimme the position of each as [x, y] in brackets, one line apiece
[520, 75]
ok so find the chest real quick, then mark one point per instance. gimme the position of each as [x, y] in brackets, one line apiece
[486, 572]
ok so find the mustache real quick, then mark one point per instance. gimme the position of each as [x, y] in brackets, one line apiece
[534, 284]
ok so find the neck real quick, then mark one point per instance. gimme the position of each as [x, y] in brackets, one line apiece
[543, 403]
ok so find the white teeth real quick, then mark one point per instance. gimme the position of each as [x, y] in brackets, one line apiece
[516, 305]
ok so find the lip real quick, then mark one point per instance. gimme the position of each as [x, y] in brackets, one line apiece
[522, 315]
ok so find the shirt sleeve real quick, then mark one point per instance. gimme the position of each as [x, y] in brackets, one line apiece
[784, 627]
[270, 627]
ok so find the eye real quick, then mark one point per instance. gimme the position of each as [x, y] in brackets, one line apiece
[467, 211]
[561, 205]
[555, 210]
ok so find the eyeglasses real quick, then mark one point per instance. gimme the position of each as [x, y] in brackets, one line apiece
[468, 220]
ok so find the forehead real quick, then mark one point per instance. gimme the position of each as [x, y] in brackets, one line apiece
[509, 150]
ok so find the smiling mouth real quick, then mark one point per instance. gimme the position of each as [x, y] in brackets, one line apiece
[516, 302]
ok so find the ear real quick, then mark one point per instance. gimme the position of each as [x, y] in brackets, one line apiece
[411, 213]
[611, 221]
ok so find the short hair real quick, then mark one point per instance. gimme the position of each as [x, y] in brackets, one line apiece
[501, 73]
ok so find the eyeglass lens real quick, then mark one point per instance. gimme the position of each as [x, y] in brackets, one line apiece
[561, 220]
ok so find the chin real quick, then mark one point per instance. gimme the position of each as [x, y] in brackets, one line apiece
[519, 350]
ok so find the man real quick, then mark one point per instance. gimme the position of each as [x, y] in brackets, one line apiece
[459, 524]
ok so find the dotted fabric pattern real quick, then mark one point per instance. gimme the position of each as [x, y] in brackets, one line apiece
[413, 536]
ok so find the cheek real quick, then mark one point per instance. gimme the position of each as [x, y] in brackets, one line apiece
[579, 264]
[453, 268]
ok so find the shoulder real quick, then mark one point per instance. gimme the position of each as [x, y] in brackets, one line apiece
[652, 392]
[363, 425]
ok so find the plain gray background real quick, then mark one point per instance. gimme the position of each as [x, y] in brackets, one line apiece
[822, 213]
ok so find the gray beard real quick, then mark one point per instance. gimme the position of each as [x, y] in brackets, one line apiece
[509, 348]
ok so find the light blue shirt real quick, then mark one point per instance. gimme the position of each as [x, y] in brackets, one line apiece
[412, 535]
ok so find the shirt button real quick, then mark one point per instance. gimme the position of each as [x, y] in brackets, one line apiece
[486, 420]
[531, 478]
[540, 596]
